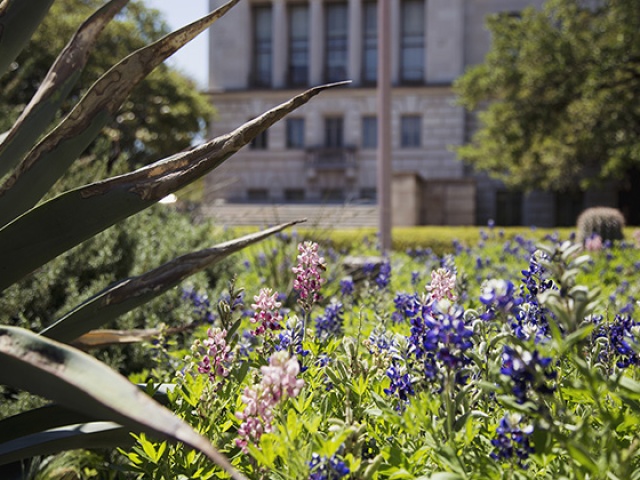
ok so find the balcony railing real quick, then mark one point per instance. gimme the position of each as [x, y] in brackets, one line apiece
[331, 159]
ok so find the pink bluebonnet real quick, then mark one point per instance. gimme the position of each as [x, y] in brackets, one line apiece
[214, 354]
[308, 279]
[593, 243]
[279, 381]
[267, 314]
[443, 285]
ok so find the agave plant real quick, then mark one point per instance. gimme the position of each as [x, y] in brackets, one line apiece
[94, 405]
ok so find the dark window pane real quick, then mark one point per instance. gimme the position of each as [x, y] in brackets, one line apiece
[295, 132]
[336, 42]
[257, 194]
[333, 195]
[410, 131]
[294, 195]
[508, 208]
[333, 132]
[412, 41]
[260, 142]
[369, 132]
[298, 45]
[369, 42]
[262, 45]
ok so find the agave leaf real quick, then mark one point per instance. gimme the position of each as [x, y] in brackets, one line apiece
[108, 337]
[77, 381]
[133, 292]
[47, 161]
[67, 437]
[59, 224]
[54, 416]
[18, 21]
[55, 87]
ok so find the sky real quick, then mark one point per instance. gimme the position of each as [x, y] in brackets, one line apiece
[191, 59]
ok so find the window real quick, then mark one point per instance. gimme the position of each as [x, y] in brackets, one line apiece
[333, 132]
[257, 194]
[260, 142]
[369, 42]
[368, 194]
[294, 195]
[336, 42]
[508, 208]
[412, 42]
[369, 132]
[262, 45]
[568, 206]
[295, 132]
[333, 195]
[410, 131]
[298, 45]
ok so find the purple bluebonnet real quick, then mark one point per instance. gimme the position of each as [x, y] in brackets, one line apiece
[383, 278]
[401, 385]
[512, 440]
[330, 324]
[621, 335]
[327, 468]
[528, 372]
[498, 296]
[291, 338]
[347, 287]
[441, 340]
[201, 305]
[407, 306]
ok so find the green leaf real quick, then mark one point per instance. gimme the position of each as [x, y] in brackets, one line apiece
[18, 21]
[54, 227]
[68, 437]
[48, 160]
[77, 381]
[55, 88]
[131, 293]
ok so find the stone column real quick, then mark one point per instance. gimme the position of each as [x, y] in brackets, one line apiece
[355, 41]
[280, 50]
[316, 40]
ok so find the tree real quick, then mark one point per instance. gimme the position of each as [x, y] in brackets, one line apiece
[163, 115]
[560, 90]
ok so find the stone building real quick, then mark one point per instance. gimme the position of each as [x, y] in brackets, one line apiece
[264, 52]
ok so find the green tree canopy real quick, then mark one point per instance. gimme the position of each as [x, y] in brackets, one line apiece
[162, 116]
[558, 94]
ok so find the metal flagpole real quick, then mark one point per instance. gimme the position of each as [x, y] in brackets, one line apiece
[384, 124]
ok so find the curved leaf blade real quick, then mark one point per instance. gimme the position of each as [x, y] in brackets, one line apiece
[48, 160]
[18, 21]
[129, 294]
[76, 380]
[55, 87]
[68, 437]
[48, 230]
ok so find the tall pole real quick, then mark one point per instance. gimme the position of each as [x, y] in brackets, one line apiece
[384, 124]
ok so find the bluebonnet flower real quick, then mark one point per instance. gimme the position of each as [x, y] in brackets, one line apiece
[201, 305]
[498, 295]
[347, 287]
[415, 278]
[528, 372]
[441, 339]
[401, 385]
[330, 324]
[407, 306]
[384, 275]
[381, 341]
[291, 338]
[512, 441]
[327, 468]
[622, 336]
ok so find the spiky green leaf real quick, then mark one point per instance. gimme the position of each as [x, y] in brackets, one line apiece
[54, 227]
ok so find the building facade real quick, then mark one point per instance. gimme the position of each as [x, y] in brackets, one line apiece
[264, 52]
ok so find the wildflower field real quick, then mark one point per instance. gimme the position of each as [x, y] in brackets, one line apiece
[508, 358]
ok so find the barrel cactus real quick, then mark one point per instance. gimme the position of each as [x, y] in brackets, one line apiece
[606, 222]
[94, 405]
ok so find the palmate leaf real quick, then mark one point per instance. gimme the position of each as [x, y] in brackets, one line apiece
[50, 159]
[18, 21]
[63, 222]
[55, 88]
[131, 293]
[77, 381]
